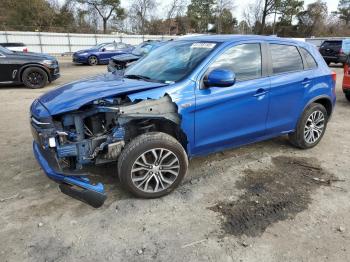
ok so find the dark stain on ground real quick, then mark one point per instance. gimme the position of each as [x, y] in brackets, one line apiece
[272, 194]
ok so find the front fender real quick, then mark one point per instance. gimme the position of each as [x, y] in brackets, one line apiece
[20, 72]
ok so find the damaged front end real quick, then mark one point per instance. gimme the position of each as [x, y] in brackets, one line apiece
[94, 134]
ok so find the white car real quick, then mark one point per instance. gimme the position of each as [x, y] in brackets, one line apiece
[17, 47]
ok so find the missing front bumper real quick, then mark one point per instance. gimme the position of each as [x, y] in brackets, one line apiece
[78, 187]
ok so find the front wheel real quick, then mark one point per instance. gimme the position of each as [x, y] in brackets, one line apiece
[92, 60]
[311, 127]
[152, 165]
[34, 77]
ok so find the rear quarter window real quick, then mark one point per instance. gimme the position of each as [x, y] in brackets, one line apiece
[285, 58]
[309, 60]
[330, 44]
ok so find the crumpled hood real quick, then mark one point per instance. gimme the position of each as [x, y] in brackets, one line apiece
[125, 57]
[74, 95]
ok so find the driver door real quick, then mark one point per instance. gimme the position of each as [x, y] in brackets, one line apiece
[235, 115]
[107, 52]
[6, 68]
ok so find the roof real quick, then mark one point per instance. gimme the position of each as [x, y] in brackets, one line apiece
[232, 38]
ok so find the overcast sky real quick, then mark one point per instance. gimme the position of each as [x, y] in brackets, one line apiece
[237, 11]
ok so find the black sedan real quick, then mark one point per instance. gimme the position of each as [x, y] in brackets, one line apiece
[34, 70]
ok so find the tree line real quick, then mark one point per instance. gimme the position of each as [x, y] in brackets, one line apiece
[280, 17]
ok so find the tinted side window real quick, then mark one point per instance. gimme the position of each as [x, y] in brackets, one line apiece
[109, 47]
[244, 60]
[285, 58]
[309, 59]
[121, 45]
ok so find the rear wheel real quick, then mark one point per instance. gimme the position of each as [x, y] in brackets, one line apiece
[311, 127]
[347, 96]
[152, 165]
[92, 60]
[34, 77]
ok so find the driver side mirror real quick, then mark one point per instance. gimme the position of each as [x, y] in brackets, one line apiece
[103, 49]
[220, 77]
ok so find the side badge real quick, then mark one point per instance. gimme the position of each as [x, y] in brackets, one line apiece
[14, 73]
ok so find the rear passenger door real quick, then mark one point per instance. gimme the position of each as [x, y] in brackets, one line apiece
[289, 84]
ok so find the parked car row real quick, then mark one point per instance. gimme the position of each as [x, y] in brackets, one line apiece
[187, 98]
[35, 70]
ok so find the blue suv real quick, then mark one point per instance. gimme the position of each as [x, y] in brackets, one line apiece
[190, 97]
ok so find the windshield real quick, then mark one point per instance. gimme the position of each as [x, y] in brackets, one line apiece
[4, 50]
[139, 50]
[171, 62]
[100, 45]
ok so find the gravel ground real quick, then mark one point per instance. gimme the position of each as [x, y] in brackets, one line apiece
[262, 202]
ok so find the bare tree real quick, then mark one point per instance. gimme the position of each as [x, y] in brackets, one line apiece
[106, 9]
[269, 7]
[139, 10]
[175, 8]
[221, 6]
[253, 15]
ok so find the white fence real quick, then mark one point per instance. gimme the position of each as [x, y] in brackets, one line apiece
[57, 43]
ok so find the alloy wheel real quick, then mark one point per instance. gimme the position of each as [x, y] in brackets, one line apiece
[35, 78]
[314, 127]
[155, 170]
[93, 60]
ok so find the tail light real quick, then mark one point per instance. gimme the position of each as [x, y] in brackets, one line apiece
[334, 76]
[25, 50]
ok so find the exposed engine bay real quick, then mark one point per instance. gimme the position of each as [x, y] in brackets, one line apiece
[97, 133]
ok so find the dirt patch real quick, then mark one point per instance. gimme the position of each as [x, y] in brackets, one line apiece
[271, 195]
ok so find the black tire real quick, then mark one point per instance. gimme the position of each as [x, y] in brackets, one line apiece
[347, 96]
[298, 138]
[93, 60]
[34, 77]
[142, 145]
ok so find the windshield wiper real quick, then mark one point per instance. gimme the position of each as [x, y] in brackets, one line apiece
[144, 78]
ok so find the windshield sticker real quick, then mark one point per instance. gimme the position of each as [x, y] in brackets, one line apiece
[203, 45]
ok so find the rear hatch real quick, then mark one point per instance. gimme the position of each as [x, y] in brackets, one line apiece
[331, 48]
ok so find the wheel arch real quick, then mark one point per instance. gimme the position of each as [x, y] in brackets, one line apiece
[323, 100]
[24, 67]
[162, 125]
[173, 129]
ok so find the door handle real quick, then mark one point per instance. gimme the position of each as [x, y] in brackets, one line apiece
[260, 92]
[306, 82]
